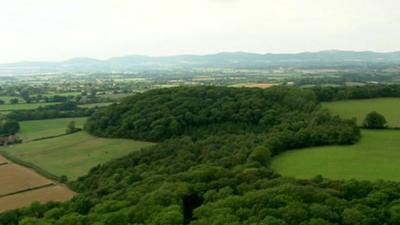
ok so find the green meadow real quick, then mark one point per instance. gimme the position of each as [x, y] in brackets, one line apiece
[35, 129]
[389, 107]
[376, 156]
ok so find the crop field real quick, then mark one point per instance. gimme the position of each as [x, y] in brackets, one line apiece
[57, 193]
[20, 186]
[389, 107]
[11, 107]
[35, 129]
[376, 156]
[73, 155]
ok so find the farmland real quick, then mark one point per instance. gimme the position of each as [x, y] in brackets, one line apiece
[79, 152]
[35, 129]
[360, 108]
[20, 186]
[376, 156]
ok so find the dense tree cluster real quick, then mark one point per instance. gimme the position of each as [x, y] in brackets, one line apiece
[202, 111]
[62, 110]
[356, 92]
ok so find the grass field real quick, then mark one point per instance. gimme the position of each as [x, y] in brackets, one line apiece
[11, 107]
[35, 129]
[389, 107]
[376, 156]
[73, 155]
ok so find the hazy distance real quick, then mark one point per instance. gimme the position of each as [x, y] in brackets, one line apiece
[58, 30]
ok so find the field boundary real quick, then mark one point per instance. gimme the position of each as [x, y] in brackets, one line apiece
[32, 166]
[3, 163]
[28, 189]
[54, 136]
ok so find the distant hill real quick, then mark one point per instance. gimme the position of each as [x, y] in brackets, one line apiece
[134, 63]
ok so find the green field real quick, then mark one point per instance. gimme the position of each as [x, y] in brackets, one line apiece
[35, 129]
[389, 107]
[11, 107]
[376, 156]
[73, 155]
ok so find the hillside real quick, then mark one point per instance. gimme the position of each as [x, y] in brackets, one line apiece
[207, 170]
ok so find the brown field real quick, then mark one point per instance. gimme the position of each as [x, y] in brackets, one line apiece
[14, 178]
[53, 193]
[3, 160]
[21, 186]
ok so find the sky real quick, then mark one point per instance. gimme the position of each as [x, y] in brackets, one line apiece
[52, 30]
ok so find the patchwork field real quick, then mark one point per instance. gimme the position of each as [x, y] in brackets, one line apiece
[376, 156]
[20, 186]
[389, 107]
[35, 129]
[73, 155]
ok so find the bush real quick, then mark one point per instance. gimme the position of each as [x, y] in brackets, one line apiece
[374, 120]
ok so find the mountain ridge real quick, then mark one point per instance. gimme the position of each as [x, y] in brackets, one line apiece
[131, 63]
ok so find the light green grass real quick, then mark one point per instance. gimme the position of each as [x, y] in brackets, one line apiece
[389, 107]
[11, 107]
[35, 129]
[73, 155]
[376, 156]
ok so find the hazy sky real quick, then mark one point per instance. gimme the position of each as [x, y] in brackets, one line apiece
[62, 29]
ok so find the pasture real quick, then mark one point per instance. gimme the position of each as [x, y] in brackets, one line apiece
[73, 155]
[389, 107]
[376, 156]
[35, 129]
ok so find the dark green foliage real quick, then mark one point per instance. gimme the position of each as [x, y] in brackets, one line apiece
[356, 92]
[200, 111]
[8, 127]
[374, 120]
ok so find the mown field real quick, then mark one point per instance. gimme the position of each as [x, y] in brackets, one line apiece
[35, 129]
[73, 155]
[389, 107]
[376, 156]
